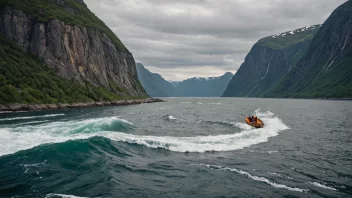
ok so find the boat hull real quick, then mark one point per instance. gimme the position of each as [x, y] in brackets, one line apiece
[258, 124]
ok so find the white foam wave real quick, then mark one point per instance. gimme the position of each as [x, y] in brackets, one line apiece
[265, 114]
[253, 177]
[322, 186]
[184, 102]
[199, 103]
[31, 117]
[170, 117]
[239, 125]
[20, 138]
[25, 137]
[227, 142]
[242, 125]
[215, 103]
[62, 196]
[279, 175]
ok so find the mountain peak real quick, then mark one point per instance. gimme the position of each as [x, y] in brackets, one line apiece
[289, 38]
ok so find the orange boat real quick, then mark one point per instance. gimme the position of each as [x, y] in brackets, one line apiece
[258, 124]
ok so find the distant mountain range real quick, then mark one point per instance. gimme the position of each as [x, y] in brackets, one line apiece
[311, 62]
[153, 83]
[157, 86]
[202, 87]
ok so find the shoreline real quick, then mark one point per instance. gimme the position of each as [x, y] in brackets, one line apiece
[39, 107]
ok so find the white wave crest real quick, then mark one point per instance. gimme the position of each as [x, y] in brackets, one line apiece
[279, 175]
[242, 126]
[20, 138]
[227, 142]
[62, 196]
[31, 117]
[265, 114]
[25, 137]
[322, 186]
[253, 177]
[170, 117]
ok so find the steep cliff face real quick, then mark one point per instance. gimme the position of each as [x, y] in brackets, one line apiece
[84, 54]
[154, 84]
[269, 60]
[326, 69]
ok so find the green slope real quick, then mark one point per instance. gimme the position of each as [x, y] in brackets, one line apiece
[154, 84]
[269, 60]
[326, 69]
[25, 79]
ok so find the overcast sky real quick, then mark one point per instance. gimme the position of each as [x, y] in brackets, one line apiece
[180, 39]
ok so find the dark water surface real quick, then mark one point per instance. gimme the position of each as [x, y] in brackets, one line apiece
[185, 147]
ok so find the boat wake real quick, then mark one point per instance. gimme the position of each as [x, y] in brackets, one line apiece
[22, 137]
[239, 125]
[25, 137]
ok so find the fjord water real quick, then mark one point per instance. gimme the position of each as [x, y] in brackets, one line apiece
[185, 147]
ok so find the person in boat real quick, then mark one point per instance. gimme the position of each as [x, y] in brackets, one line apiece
[254, 119]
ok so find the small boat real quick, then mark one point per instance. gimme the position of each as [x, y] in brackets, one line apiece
[258, 124]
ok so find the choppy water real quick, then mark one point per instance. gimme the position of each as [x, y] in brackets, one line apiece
[182, 148]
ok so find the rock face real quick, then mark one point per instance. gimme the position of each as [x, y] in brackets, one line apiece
[154, 84]
[269, 60]
[326, 69]
[83, 54]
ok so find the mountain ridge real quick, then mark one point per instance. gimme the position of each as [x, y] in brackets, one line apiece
[324, 71]
[270, 59]
[157, 86]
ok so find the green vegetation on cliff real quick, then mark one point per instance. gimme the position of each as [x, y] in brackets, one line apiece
[71, 12]
[269, 60]
[25, 79]
[325, 71]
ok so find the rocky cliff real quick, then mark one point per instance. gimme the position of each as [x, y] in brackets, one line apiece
[67, 37]
[269, 60]
[325, 71]
[153, 83]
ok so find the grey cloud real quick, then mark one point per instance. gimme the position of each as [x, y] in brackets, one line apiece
[194, 33]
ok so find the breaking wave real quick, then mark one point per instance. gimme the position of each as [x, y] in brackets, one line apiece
[25, 137]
